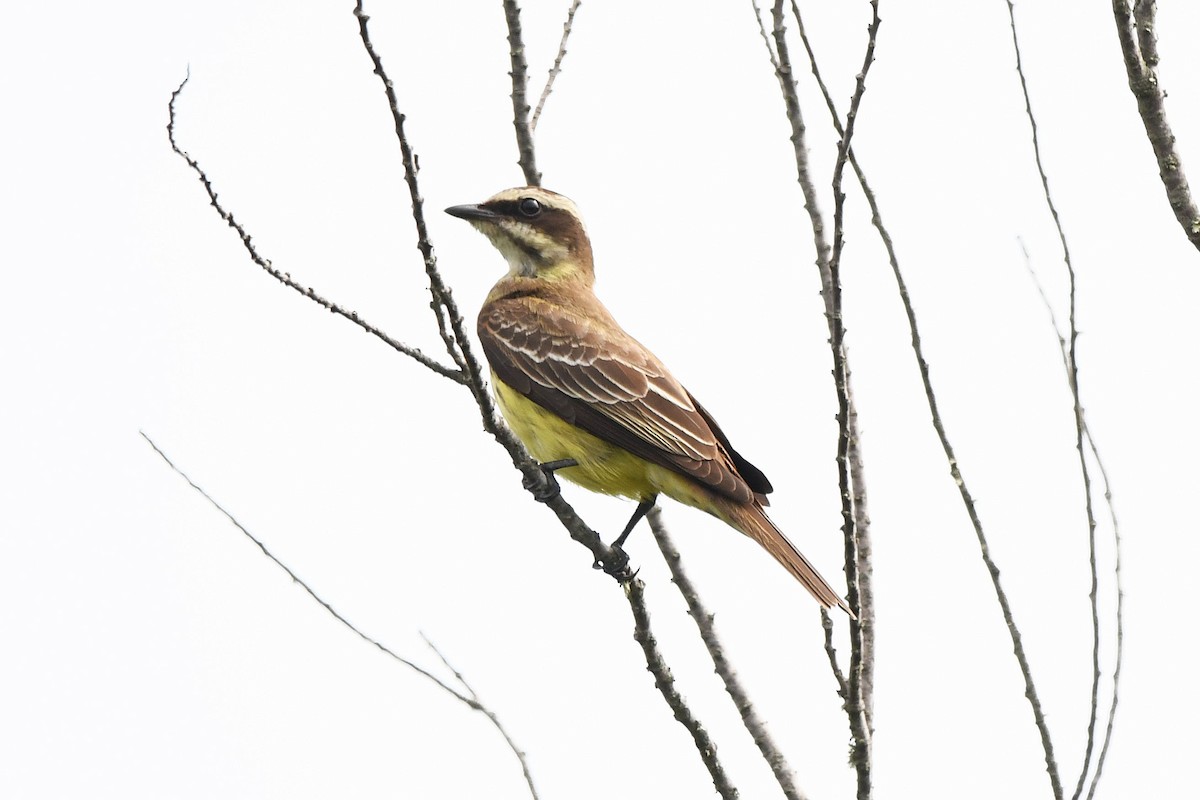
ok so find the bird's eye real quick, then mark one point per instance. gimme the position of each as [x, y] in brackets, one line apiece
[529, 207]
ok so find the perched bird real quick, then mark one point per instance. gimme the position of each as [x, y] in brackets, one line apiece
[588, 399]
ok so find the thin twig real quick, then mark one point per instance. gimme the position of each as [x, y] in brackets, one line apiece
[1014, 632]
[708, 634]
[1073, 380]
[472, 702]
[1139, 48]
[664, 681]
[857, 476]
[936, 418]
[520, 85]
[299, 581]
[557, 68]
[285, 278]
[458, 676]
[762, 32]
[856, 703]
[827, 624]
[534, 478]
[791, 100]
[1116, 677]
[1116, 529]
[443, 305]
[862, 522]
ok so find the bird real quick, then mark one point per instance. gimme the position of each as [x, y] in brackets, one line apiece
[589, 401]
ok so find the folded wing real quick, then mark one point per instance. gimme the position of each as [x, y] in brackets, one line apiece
[608, 384]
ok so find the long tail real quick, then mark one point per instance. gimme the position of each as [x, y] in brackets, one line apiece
[751, 520]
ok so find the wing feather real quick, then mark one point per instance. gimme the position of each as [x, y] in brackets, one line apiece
[611, 386]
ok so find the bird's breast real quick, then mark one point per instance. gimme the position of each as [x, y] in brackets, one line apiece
[603, 467]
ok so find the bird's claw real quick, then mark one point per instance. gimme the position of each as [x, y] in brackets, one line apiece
[547, 489]
[617, 566]
[543, 490]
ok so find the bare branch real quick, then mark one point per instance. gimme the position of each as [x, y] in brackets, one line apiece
[762, 32]
[1116, 529]
[534, 479]
[708, 634]
[857, 703]
[458, 676]
[557, 68]
[969, 503]
[1139, 48]
[864, 569]
[827, 624]
[472, 702]
[520, 81]
[1073, 381]
[854, 452]
[1120, 647]
[285, 278]
[664, 681]
[443, 305]
[939, 428]
[791, 100]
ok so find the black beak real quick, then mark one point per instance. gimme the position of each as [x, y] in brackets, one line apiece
[470, 212]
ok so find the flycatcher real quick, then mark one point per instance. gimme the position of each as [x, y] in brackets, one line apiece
[588, 399]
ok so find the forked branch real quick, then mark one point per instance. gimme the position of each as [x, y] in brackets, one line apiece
[940, 429]
[472, 702]
[1072, 367]
[856, 686]
[733, 685]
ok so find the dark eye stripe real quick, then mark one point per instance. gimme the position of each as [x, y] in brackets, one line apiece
[506, 208]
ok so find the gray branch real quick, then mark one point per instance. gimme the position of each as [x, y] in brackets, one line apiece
[1118, 659]
[1077, 406]
[520, 86]
[472, 702]
[858, 701]
[1139, 48]
[557, 68]
[733, 685]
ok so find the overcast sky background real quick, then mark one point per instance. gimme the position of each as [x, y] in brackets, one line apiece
[151, 651]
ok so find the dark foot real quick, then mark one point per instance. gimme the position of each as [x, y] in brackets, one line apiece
[617, 566]
[547, 489]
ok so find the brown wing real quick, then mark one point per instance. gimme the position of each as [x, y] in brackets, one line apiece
[612, 387]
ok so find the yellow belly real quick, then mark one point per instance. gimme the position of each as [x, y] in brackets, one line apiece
[603, 467]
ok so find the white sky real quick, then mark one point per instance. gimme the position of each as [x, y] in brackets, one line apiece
[151, 651]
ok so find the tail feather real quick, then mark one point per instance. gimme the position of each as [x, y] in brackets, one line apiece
[751, 520]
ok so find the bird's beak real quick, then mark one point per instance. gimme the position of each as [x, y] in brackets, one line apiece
[470, 212]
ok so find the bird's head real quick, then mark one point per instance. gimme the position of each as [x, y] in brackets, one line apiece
[539, 233]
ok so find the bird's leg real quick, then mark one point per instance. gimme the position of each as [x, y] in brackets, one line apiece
[618, 566]
[639, 512]
[545, 492]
